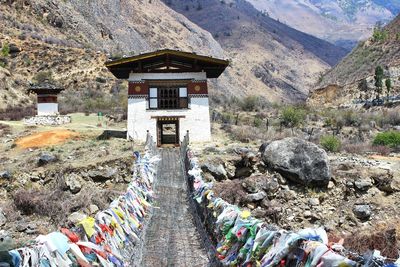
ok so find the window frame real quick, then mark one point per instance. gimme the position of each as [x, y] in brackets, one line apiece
[152, 98]
[178, 98]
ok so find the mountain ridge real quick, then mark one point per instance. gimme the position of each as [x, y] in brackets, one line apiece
[342, 22]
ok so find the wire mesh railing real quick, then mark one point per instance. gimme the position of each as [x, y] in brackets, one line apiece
[202, 217]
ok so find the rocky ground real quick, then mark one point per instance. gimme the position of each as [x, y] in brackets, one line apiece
[295, 184]
[49, 182]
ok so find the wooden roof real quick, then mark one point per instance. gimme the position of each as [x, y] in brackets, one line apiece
[45, 87]
[167, 61]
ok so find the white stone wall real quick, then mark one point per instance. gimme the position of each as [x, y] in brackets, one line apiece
[47, 109]
[197, 119]
[48, 120]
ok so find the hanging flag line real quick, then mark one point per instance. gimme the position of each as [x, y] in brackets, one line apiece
[246, 241]
[107, 239]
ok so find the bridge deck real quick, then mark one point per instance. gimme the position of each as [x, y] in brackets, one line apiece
[171, 238]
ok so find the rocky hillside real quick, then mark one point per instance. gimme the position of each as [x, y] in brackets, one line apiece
[72, 39]
[271, 58]
[381, 49]
[341, 22]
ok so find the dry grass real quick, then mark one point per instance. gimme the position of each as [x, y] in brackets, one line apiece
[17, 113]
[57, 204]
[384, 239]
[4, 130]
[362, 148]
[247, 133]
[231, 191]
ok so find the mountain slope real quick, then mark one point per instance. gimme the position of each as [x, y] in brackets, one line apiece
[286, 62]
[343, 22]
[361, 63]
[71, 39]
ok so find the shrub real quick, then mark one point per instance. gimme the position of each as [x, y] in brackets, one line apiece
[358, 148]
[17, 113]
[42, 76]
[331, 143]
[292, 116]
[4, 129]
[249, 103]
[5, 50]
[390, 139]
[381, 150]
[380, 35]
[257, 122]
[350, 118]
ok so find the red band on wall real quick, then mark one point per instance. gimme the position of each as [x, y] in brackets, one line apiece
[47, 99]
[138, 88]
[197, 88]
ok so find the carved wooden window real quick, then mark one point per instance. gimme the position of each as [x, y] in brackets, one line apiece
[168, 98]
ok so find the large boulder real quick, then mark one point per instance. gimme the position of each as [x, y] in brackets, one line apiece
[299, 161]
[216, 170]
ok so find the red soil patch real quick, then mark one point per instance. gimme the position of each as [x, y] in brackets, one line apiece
[46, 138]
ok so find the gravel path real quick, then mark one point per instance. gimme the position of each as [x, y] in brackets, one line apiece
[171, 238]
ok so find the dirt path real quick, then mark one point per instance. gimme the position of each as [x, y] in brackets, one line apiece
[171, 238]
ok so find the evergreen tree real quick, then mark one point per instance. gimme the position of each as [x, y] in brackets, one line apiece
[378, 81]
[388, 84]
[363, 87]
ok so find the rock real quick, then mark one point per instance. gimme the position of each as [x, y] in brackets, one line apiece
[103, 175]
[272, 187]
[46, 158]
[21, 226]
[262, 148]
[259, 212]
[313, 201]
[127, 179]
[31, 229]
[6, 242]
[34, 178]
[14, 49]
[256, 196]
[280, 178]
[299, 161]
[101, 80]
[287, 195]
[73, 183]
[362, 211]
[255, 183]
[5, 175]
[307, 214]
[3, 218]
[241, 172]
[93, 209]
[76, 217]
[363, 184]
[385, 180]
[216, 170]
[211, 149]
[331, 185]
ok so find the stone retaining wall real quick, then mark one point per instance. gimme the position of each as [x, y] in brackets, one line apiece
[48, 120]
